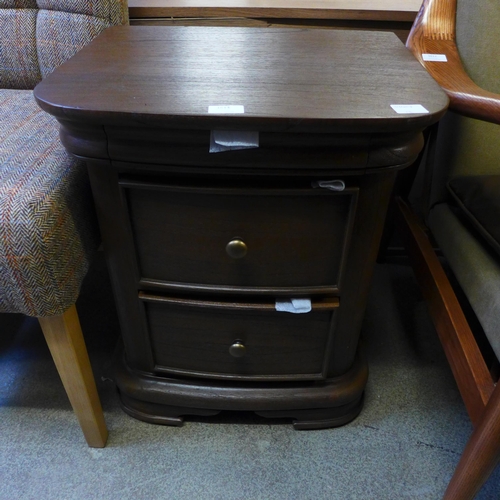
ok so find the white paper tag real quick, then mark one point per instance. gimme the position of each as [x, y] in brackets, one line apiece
[336, 185]
[226, 110]
[435, 57]
[228, 140]
[294, 306]
[408, 109]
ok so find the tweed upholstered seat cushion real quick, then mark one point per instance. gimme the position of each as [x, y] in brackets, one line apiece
[47, 224]
[36, 36]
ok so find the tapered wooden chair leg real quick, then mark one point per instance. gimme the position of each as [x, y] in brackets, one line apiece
[67, 346]
[481, 454]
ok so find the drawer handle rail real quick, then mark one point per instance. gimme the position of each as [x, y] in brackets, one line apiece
[324, 305]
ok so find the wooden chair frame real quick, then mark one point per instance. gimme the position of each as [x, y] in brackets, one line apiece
[434, 33]
[64, 337]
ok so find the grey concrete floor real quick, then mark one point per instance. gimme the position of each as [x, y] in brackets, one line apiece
[404, 445]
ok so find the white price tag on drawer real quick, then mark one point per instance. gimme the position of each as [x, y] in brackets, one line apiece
[296, 306]
[228, 140]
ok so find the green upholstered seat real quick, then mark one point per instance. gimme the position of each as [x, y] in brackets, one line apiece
[469, 147]
[462, 215]
[478, 201]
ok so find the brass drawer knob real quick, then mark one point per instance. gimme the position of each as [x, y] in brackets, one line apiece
[237, 350]
[236, 249]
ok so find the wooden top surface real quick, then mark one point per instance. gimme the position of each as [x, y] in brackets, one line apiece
[286, 80]
[375, 10]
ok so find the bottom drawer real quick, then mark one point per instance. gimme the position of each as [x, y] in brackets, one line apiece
[237, 340]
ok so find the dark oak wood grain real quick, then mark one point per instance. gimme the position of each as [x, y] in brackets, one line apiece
[280, 228]
[183, 392]
[311, 80]
[202, 246]
[194, 338]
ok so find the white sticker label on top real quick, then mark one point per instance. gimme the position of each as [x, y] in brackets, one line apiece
[435, 57]
[226, 110]
[408, 109]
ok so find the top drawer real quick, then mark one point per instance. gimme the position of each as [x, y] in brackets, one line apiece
[240, 238]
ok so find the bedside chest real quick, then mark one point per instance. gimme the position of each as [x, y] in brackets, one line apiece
[241, 277]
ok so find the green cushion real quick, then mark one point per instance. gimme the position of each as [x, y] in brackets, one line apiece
[474, 266]
[479, 200]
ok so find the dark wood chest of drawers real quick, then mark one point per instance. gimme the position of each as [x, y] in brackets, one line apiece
[240, 277]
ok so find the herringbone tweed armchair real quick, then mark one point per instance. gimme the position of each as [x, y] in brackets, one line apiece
[48, 231]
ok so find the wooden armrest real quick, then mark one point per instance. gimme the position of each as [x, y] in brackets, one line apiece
[433, 32]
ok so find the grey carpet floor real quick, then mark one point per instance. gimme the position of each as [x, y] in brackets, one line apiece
[404, 445]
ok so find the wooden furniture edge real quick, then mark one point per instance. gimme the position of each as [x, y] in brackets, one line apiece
[64, 337]
[434, 33]
[466, 361]
[481, 454]
[365, 10]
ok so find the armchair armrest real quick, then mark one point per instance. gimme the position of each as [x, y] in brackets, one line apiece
[433, 32]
